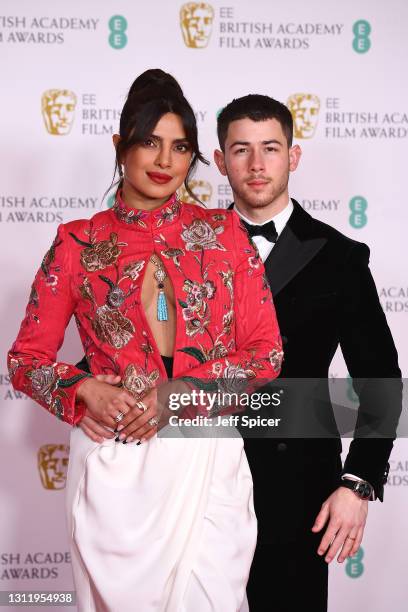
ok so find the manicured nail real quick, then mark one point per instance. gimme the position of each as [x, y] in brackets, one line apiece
[124, 442]
[130, 439]
[120, 427]
[117, 439]
[122, 436]
[139, 443]
[116, 429]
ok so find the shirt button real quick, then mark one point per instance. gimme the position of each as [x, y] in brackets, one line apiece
[282, 447]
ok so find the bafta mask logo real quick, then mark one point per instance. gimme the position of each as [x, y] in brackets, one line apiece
[305, 112]
[53, 465]
[196, 19]
[58, 110]
[202, 189]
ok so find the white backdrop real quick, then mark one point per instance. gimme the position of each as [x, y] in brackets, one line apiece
[348, 62]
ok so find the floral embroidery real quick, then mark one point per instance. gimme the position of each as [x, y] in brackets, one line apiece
[276, 358]
[130, 216]
[137, 381]
[99, 255]
[133, 269]
[200, 236]
[49, 257]
[33, 299]
[168, 213]
[47, 385]
[111, 326]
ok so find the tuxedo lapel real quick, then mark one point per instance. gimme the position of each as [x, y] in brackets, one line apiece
[298, 243]
[288, 257]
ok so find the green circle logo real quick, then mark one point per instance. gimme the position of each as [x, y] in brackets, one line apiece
[117, 27]
[358, 206]
[354, 565]
[361, 40]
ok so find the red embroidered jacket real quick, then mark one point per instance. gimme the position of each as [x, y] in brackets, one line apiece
[226, 323]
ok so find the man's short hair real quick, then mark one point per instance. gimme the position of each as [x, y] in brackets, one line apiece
[257, 108]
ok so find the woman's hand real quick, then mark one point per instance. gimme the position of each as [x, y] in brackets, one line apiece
[104, 401]
[135, 425]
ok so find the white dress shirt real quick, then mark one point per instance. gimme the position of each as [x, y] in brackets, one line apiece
[265, 247]
[262, 244]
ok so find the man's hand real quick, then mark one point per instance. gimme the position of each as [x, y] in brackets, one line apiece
[347, 515]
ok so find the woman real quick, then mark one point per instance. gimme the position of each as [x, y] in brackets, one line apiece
[157, 524]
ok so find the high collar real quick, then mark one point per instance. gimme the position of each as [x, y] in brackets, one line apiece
[147, 220]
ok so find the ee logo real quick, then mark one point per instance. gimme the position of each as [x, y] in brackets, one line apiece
[354, 565]
[117, 27]
[361, 40]
[358, 206]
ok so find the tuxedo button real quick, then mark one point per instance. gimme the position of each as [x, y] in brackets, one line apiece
[282, 447]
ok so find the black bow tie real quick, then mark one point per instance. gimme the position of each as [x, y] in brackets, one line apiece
[268, 230]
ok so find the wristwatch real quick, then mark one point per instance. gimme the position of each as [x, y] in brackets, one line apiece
[362, 488]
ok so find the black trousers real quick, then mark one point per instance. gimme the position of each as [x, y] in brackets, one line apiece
[287, 574]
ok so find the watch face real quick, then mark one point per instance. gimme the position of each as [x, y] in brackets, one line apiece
[364, 489]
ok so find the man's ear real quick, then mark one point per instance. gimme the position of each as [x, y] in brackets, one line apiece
[295, 153]
[219, 159]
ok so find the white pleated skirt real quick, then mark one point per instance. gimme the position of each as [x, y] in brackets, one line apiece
[166, 526]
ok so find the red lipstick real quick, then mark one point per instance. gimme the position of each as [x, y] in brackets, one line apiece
[158, 177]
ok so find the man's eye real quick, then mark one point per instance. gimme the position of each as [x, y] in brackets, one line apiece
[271, 149]
[243, 150]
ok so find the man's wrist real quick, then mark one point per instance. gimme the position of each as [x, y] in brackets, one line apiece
[362, 488]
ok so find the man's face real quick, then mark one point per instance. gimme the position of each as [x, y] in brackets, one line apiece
[197, 25]
[305, 112]
[257, 161]
[60, 114]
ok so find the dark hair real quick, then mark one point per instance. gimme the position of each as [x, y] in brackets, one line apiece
[256, 108]
[153, 94]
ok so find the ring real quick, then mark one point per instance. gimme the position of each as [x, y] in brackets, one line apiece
[153, 421]
[141, 406]
[119, 417]
[350, 538]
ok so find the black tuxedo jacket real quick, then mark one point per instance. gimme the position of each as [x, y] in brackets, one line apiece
[324, 296]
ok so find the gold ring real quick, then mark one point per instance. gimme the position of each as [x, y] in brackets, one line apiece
[350, 538]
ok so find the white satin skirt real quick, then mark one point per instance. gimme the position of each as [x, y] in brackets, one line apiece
[166, 526]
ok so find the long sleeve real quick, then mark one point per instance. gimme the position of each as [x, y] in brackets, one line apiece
[32, 360]
[258, 349]
[372, 361]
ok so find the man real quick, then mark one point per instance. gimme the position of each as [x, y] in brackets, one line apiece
[324, 296]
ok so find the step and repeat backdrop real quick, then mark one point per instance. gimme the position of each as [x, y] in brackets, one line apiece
[65, 71]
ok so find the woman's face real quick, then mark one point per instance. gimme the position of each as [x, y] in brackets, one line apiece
[156, 168]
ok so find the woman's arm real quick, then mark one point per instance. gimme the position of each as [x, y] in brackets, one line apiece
[32, 360]
[258, 350]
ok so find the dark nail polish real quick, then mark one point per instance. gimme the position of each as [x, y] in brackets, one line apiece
[124, 442]
[116, 429]
[138, 443]
[117, 439]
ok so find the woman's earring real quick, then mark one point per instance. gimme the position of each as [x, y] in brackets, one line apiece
[122, 170]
